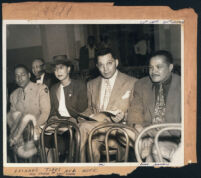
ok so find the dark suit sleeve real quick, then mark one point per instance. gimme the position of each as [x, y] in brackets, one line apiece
[50, 80]
[136, 110]
[52, 102]
[82, 97]
[89, 111]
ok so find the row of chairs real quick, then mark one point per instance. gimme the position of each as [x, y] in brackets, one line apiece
[59, 126]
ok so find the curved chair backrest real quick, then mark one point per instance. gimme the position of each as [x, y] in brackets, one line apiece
[71, 128]
[163, 127]
[110, 127]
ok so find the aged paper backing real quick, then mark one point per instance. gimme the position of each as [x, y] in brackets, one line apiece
[106, 11]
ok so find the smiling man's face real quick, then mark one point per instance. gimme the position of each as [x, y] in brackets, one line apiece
[159, 69]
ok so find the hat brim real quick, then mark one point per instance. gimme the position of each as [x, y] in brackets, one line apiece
[63, 62]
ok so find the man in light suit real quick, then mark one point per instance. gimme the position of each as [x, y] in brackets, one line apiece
[112, 91]
[157, 99]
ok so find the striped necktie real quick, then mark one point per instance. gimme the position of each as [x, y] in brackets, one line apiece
[106, 94]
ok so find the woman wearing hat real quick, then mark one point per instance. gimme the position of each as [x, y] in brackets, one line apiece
[68, 98]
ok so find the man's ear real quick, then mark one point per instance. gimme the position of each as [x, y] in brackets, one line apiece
[171, 67]
[29, 74]
[68, 69]
[116, 62]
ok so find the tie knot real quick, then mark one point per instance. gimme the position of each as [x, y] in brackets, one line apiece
[160, 86]
[61, 86]
[107, 82]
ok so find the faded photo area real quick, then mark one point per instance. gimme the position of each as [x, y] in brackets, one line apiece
[102, 93]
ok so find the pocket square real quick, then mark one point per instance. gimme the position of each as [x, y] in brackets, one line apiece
[126, 95]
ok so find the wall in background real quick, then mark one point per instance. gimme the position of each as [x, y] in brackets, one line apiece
[26, 42]
[168, 37]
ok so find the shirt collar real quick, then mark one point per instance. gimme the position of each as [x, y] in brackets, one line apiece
[28, 86]
[61, 85]
[168, 81]
[165, 83]
[113, 78]
[42, 76]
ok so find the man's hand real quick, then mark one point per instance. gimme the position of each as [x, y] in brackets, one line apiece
[146, 147]
[53, 118]
[100, 117]
[138, 127]
[119, 116]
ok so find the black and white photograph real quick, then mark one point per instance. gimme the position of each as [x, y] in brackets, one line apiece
[103, 92]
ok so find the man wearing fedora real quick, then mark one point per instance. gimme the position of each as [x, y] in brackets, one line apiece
[68, 99]
[30, 102]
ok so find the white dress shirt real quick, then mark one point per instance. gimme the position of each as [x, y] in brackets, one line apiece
[103, 87]
[63, 111]
[41, 79]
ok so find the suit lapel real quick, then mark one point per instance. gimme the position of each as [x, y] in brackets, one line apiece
[171, 102]
[97, 92]
[151, 99]
[116, 89]
[58, 92]
[45, 78]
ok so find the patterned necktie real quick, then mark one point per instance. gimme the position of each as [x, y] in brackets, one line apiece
[159, 107]
[106, 95]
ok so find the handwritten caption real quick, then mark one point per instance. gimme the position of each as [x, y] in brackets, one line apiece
[154, 164]
[53, 171]
[161, 21]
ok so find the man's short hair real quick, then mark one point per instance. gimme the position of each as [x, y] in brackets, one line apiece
[21, 66]
[104, 51]
[168, 56]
